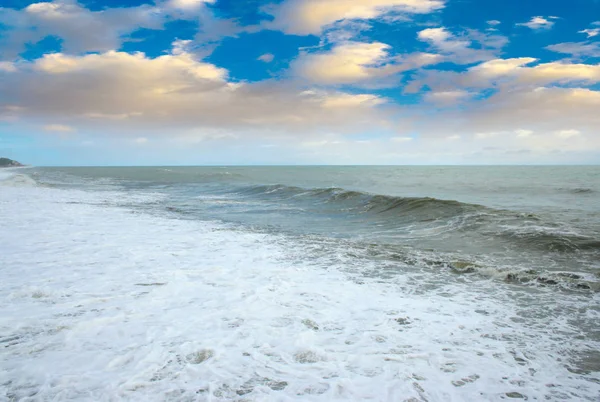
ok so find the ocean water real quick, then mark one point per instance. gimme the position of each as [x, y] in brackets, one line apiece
[300, 283]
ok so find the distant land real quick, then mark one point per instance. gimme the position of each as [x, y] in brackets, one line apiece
[5, 162]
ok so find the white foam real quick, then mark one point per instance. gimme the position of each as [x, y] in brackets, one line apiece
[102, 304]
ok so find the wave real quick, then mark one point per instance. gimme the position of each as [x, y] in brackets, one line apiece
[547, 239]
[18, 180]
[473, 221]
[426, 208]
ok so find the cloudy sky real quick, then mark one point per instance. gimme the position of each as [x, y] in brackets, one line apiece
[134, 82]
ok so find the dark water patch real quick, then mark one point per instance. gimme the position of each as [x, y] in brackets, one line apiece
[547, 239]
[420, 208]
[577, 190]
[151, 284]
[585, 362]
[463, 267]
[562, 280]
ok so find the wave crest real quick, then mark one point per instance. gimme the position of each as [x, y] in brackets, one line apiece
[19, 180]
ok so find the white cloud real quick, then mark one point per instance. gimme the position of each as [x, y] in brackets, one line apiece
[541, 74]
[494, 22]
[541, 110]
[343, 100]
[267, 58]
[438, 36]
[591, 32]
[10, 113]
[539, 22]
[116, 92]
[80, 29]
[61, 128]
[345, 63]
[501, 67]
[526, 101]
[568, 133]
[212, 28]
[447, 97]
[558, 72]
[188, 4]
[469, 47]
[355, 62]
[137, 63]
[577, 49]
[521, 133]
[401, 139]
[7, 67]
[486, 135]
[304, 17]
[114, 116]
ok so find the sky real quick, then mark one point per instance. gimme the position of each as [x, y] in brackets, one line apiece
[234, 82]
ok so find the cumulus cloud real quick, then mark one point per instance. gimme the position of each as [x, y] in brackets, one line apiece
[188, 5]
[212, 29]
[525, 105]
[501, 67]
[80, 29]
[540, 109]
[577, 49]
[355, 62]
[178, 92]
[512, 106]
[517, 72]
[468, 47]
[304, 17]
[506, 74]
[344, 100]
[539, 22]
[267, 58]
[345, 63]
[447, 97]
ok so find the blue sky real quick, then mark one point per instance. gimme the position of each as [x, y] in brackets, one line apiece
[180, 82]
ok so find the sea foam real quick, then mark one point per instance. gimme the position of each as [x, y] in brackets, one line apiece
[99, 303]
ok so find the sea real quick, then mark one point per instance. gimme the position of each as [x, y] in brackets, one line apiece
[324, 283]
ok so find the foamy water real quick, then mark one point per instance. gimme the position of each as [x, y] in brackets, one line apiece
[102, 302]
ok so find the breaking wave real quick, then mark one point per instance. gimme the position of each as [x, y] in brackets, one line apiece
[18, 180]
[555, 241]
[521, 230]
[357, 201]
